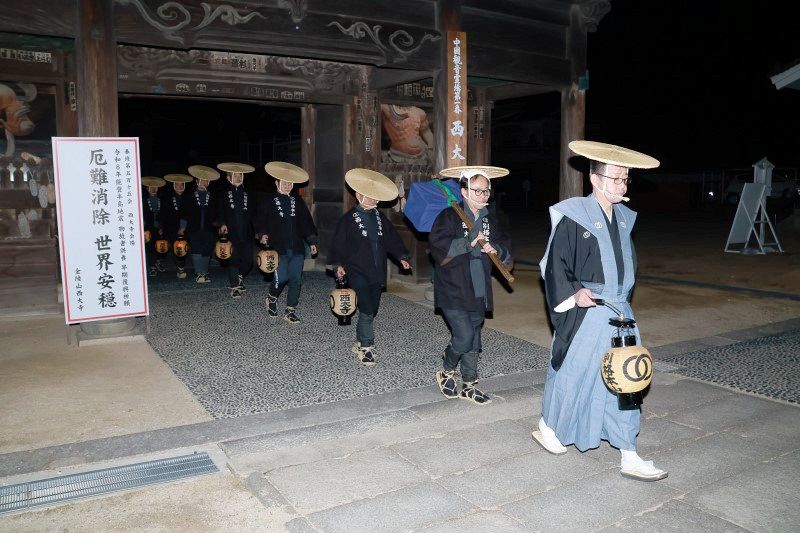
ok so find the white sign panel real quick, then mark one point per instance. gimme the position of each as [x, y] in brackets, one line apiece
[99, 202]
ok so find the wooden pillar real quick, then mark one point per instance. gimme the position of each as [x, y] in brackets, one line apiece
[98, 116]
[573, 105]
[480, 127]
[352, 150]
[371, 111]
[308, 120]
[96, 61]
[573, 113]
[448, 18]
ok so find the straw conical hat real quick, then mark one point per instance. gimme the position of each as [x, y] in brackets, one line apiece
[286, 172]
[371, 184]
[203, 172]
[474, 170]
[153, 181]
[178, 178]
[236, 167]
[613, 155]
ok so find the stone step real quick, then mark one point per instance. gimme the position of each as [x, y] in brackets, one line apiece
[427, 401]
[28, 258]
[29, 295]
[263, 453]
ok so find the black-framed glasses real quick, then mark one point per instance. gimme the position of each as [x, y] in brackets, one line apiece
[481, 192]
[617, 181]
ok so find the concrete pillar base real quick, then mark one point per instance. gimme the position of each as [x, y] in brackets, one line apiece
[118, 328]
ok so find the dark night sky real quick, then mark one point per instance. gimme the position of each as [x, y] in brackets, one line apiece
[688, 81]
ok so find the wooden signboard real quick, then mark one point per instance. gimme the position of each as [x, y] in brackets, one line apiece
[456, 98]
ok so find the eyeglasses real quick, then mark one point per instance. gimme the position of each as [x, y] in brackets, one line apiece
[617, 181]
[481, 192]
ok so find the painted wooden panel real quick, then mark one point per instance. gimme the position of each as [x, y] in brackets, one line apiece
[236, 75]
[284, 27]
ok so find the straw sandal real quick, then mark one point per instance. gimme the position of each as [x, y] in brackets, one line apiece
[469, 391]
[447, 383]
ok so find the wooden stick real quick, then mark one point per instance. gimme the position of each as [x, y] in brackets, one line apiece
[465, 219]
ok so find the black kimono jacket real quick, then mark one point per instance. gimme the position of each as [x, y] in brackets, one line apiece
[150, 218]
[574, 256]
[235, 209]
[285, 228]
[352, 248]
[200, 216]
[449, 245]
[171, 212]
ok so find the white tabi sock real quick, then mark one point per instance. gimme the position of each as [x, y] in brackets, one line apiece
[632, 461]
[549, 435]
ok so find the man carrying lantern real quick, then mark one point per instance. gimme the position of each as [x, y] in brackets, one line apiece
[362, 240]
[198, 220]
[285, 222]
[171, 216]
[151, 217]
[590, 260]
[235, 220]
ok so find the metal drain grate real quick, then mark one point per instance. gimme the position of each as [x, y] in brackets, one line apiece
[97, 482]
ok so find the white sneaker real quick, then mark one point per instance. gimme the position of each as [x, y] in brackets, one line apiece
[546, 438]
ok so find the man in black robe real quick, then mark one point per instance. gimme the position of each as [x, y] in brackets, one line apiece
[590, 259]
[362, 240]
[285, 222]
[462, 284]
[235, 220]
[198, 218]
[151, 218]
[171, 216]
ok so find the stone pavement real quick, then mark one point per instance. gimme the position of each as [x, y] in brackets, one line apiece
[235, 362]
[474, 469]
[414, 461]
[768, 365]
[406, 459]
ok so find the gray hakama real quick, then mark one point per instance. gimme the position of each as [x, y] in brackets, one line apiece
[576, 404]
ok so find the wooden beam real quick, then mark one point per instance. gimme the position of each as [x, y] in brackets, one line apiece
[514, 33]
[552, 11]
[516, 90]
[382, 78]
[96, 60]
[40, 17]
[520, 66]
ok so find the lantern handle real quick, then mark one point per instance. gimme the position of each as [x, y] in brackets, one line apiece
[600, 301]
